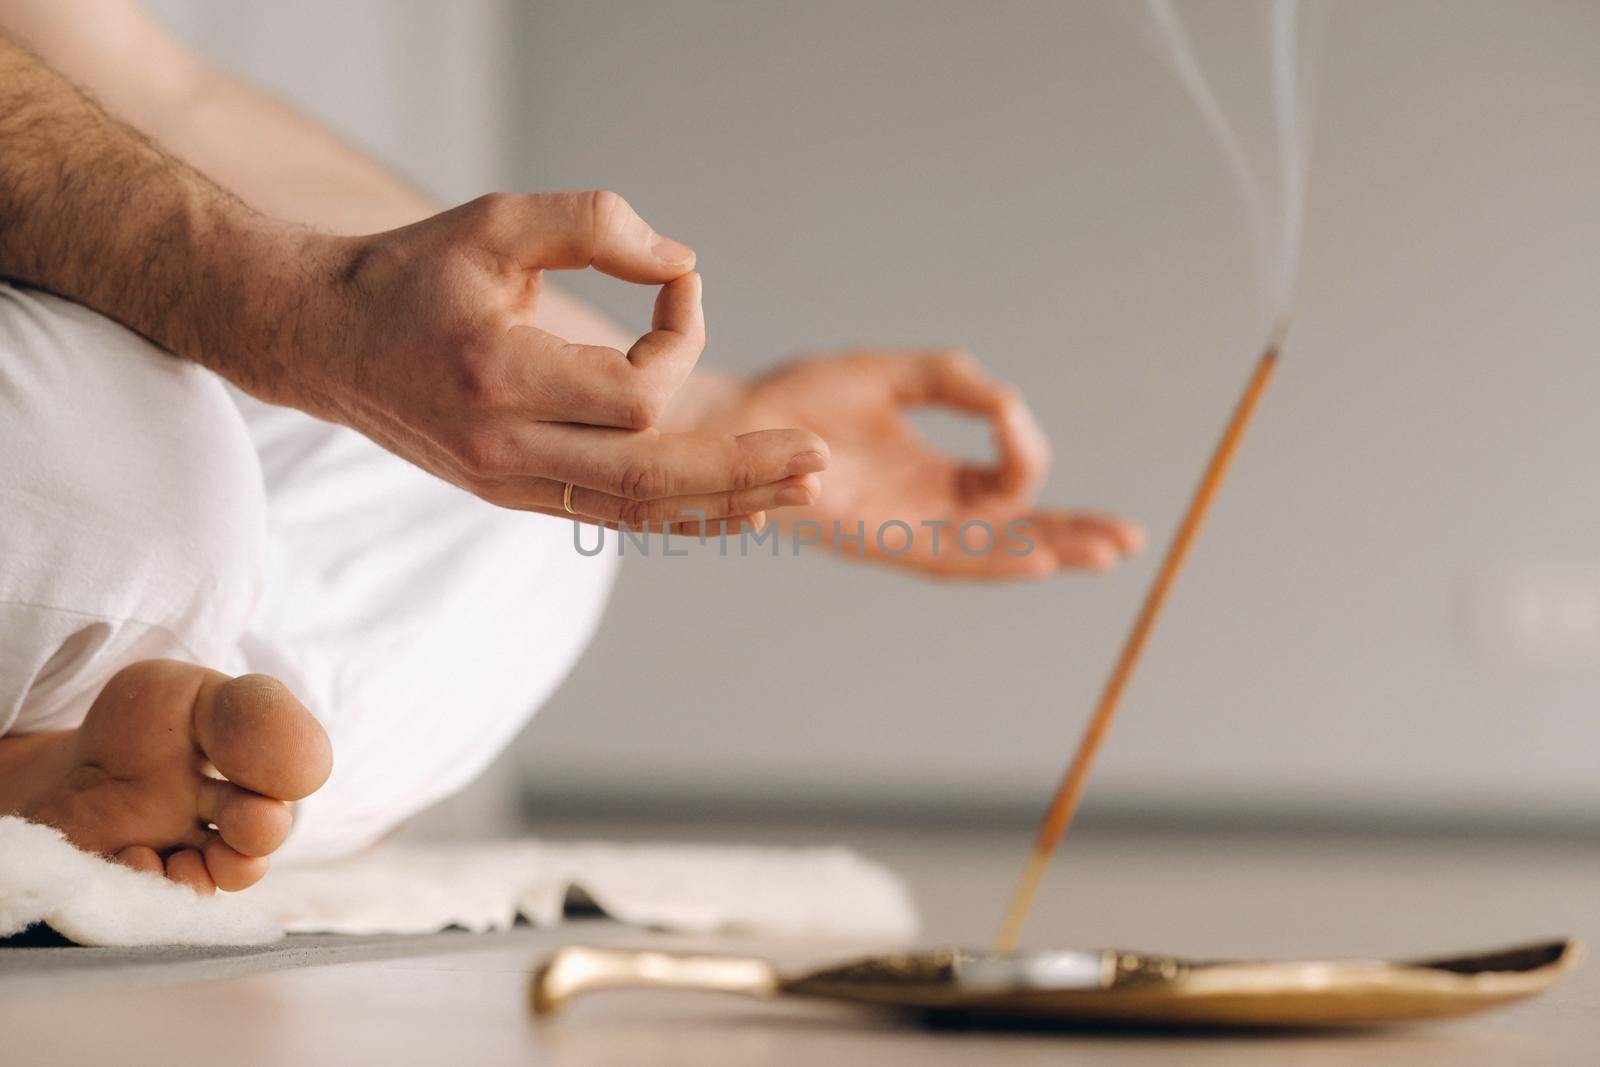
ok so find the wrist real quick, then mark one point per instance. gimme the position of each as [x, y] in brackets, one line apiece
[269, 308]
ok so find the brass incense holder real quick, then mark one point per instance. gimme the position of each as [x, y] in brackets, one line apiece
[1090, 988]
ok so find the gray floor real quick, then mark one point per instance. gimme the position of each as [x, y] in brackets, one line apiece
[460, 997]
[55, 969]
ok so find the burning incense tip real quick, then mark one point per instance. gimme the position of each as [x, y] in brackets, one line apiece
[1070, 792]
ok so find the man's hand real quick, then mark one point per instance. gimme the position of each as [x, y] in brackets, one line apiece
[422, 338]
[428, 345]
[882, 470]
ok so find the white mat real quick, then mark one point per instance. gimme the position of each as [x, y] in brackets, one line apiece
[417, 889]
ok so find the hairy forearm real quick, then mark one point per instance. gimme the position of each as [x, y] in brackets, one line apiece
[274, 158]
[92, 210]
[133, 231]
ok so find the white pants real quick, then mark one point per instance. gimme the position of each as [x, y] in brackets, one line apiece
[147, 510]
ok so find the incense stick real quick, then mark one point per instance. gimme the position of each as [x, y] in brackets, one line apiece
[1065, 804]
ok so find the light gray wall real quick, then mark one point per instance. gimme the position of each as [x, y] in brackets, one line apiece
[1396, 607]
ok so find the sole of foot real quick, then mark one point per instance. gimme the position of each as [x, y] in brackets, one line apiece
[177, 770]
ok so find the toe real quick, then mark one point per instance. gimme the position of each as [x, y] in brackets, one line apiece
[250, 823]
[230, 870]
[141, 858]
[188, 867]
[259, 736]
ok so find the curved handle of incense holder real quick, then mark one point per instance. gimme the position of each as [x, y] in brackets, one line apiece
[1100, 987]
[578, 969]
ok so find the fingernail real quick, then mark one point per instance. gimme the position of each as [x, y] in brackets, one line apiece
[806, 463]
[793, 496]
[671, 252]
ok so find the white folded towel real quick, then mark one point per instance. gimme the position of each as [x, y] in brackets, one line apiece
[408, 889]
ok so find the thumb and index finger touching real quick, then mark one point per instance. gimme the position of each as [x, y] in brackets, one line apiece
[951, 378]
[599, 229]
[604, 387]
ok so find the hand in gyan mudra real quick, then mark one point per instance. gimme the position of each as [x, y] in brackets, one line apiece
[882, 471]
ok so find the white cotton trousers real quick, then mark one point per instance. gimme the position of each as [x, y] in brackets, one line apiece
[147, 510]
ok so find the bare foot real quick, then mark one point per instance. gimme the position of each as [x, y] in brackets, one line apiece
[135, 783]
